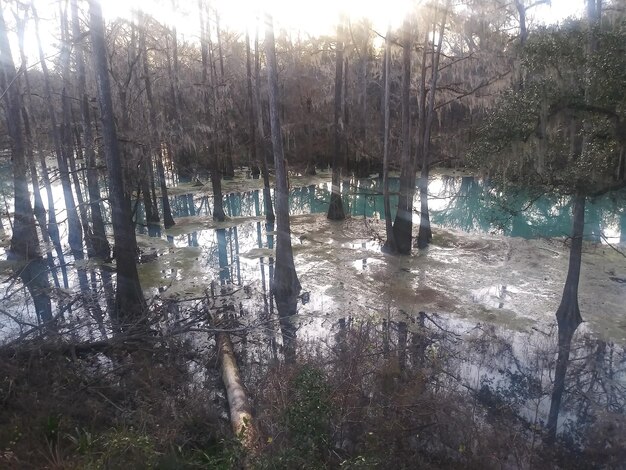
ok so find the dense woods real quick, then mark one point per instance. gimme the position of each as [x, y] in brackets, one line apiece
[160, 185]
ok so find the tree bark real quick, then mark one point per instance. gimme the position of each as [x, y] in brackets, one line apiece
[218, 204]
[335, 208]
[403, 225]
[390, 243]
[129, 301]
[286, 285]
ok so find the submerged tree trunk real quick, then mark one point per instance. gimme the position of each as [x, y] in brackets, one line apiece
[218, 204]
[390, 243]
[567, 316]
[403, 225]
[286, 285]
[168, 220]
[24, 249]
[130, 304]
[335, 209]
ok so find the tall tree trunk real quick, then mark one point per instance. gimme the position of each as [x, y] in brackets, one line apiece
[425, 233]
[82, 207]
[421, 118]
[228, 168]
[308, 136]
[403, 225]
[568, 315]
[99, 242]
[129, 301]
[39, 210]
[253, 163]
[155, 147]
[267, 192]
[67, 145]
[173, 69]
[286, 285]
[24, 249]
[390, 243]
[61, 147]
[335, 208]
[211, 114]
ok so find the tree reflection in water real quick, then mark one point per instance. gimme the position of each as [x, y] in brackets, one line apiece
[436, 390]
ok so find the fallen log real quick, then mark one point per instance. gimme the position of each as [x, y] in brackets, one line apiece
[240, 415]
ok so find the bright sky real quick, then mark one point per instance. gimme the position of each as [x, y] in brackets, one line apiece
[315, 18]
[558, 10]
[318, 17]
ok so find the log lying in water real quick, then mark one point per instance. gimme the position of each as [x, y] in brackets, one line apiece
[240, 415]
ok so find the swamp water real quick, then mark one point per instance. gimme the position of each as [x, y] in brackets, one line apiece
[488, 286]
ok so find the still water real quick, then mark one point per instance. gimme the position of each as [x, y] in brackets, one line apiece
[466, 203]
[488, 286]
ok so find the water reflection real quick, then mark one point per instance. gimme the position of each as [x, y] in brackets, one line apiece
[465, 203]
[505, 368]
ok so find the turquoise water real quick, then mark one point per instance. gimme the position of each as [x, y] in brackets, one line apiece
[463, 203]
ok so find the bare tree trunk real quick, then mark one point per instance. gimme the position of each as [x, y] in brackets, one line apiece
[425, 234]
[155, 147]
[39, 210]
[218, 204]
[67, 142]
[129, 301]
[390, 243]
[335, 208]
[253, 163]
[362, 159]
[267, 193]
[403, 225]
[286, 285]
[211, 113]
[61, 147]
[24, 249]
[174, 85]
[82, 207]
[308, 144]
[99, 242]
[228, 168]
